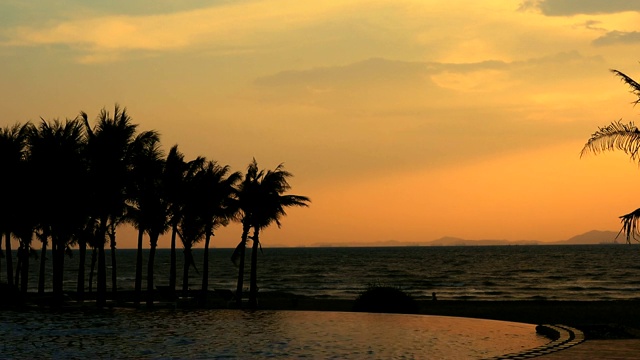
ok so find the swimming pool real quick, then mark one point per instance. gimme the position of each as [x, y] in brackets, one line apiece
[230, 334]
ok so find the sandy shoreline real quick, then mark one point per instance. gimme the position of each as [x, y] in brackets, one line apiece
[598, 319]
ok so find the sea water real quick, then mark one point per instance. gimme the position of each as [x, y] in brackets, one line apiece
[562, 272]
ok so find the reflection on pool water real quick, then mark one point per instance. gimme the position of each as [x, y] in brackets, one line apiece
[229, 334]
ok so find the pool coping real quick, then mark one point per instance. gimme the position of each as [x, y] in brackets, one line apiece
[563, 337]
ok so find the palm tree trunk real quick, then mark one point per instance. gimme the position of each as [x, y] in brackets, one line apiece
[43, 261]
[172, 268]
[94, 259]
[58, 270]
[138, 283]
[253, 281]
[19, 257]
[54, 266]
[25, 271]
[153, 240]
[205, 268]
[1, 256]
[242, 248]
[82, 245]
[114, 273]
[185, 272]
[101, 294]
[7, 246]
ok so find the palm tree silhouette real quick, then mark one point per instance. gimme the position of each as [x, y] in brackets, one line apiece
[55, 152]
[247, 202]
[13, 147]
[85, 236]
[192, 226]
[625, 137]
[148, 208]
[44, 239]
[109, 155]
[217, 206]
[23, 231]
[81, 182]
[175, 170]
[262, 202]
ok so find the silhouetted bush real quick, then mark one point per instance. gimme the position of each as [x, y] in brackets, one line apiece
[385, 299]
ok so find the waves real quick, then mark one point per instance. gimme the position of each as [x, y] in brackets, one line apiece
[591, 272]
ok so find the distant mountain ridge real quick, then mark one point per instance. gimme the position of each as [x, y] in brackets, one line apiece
[593, 237]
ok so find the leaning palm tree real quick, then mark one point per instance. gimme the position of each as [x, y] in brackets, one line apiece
[624, 137]
[271, 204]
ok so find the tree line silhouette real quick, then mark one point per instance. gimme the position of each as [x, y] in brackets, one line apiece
[69, 184]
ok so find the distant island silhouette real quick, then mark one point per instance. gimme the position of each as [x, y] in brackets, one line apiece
[594, 237]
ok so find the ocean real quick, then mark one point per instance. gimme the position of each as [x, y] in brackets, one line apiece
[535, 272]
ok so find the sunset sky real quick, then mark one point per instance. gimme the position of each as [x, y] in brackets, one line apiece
[403, 120]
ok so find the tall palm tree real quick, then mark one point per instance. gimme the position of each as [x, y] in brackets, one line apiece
[625, 137]
[25, 237]
[84, 237]
[44, 239]
[148, 208]
[192, 225]
[109, 160]
[13, 147]
[218, 205]
[191, 231]
[266, 205]
[56, 154]
[175, 170]
[24, 225]
[247, 202]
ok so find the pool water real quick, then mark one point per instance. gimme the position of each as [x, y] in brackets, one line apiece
[231, 334]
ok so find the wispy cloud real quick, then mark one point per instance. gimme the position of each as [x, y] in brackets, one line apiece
[105, 38]
[618, 37]
[575, 7]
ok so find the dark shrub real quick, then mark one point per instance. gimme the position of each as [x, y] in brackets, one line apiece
[385, 299]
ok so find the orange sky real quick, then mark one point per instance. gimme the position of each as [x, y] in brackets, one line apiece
[402, 120]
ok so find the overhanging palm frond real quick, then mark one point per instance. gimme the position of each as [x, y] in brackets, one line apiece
[630, 226]
[635, 87]
[616, 136]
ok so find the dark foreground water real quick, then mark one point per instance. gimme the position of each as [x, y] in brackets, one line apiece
[589, 272]
[229, 334]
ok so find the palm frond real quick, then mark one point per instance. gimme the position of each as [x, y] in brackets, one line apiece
[630, 226]
[635, 87]
[235, 257]
[615, 136]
